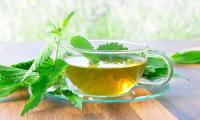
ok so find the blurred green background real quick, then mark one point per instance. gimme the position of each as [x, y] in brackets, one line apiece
[28, 20]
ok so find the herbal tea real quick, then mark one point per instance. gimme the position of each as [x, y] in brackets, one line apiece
[104, 79]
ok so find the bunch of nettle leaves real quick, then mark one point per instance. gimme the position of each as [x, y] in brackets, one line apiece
[43, 72]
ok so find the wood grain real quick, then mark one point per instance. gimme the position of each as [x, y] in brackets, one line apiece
[54, 109]
[152, 110]
[182, 102]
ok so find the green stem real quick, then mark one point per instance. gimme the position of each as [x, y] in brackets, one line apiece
[57, 46]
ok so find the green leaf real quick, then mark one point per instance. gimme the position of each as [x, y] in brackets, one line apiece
[67, 19]
[23, 65]
[49, 72]
[158, 73]
[10, 74]
[57, 30]
[39, 60]
[156, 68]
[112, 57]
[187, 57]
[82, 43]
[73, 98]
[156, 62]
[10, 79]
[63, 90]
[9, 89]
[112, 46]
[53, 27]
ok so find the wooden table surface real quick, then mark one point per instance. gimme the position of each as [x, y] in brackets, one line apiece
[181, 102]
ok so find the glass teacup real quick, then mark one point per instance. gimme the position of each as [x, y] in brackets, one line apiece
[110, 73]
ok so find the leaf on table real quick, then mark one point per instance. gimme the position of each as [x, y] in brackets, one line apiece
[187, 57]
[9, 89]
[73, 98]
[10, 79]
[39, 60]
[49, 72]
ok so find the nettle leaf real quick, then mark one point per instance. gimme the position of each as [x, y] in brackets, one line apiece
[187, 57]
[73, 98]
[112, 46]
[53, 27]
[40, 59]
[80, 42]
[23, 65]
[156, 68]
[156, 74]
[8, 89]
[112, 57]
[46, 67]
[49, 73]
[67, 19]
[57, 30]
[156, 62]
[69, 95]
[10, 79]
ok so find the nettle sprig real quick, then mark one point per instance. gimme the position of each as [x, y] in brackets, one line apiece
[39, 74]
[57, 31]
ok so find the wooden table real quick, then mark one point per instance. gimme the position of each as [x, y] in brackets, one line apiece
[182, 102]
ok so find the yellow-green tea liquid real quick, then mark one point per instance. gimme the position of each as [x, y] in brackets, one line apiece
[104, 79]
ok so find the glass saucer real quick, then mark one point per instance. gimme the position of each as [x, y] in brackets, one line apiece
[139, 93]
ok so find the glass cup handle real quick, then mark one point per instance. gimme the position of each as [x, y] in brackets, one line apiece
[162, 80]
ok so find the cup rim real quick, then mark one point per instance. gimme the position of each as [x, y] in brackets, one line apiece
[141, 44]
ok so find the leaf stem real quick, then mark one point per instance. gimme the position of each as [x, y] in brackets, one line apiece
[57, 46]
